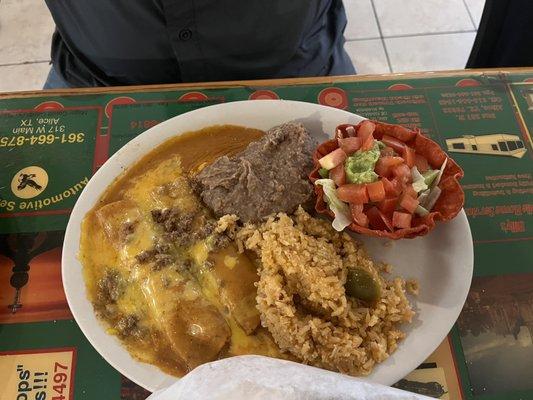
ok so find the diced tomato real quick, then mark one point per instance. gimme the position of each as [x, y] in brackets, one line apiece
[398, 184]
[391, 188]
[365, 130]
[387, 206]
[361, 219]
[402, 133]
[402, 172]
[350, 130]
[409, 156]
[385, 164]
[344, 131]
[376, 191]
[358, 215]
[399, 132]
[401, 220]
[388, 151]
[368, 143]
[331, 160]
[350, 145]
[382, 170]
[378, 220]
[392, 161]
[356, 208]
[410, 191]
[353, 193]
[396, 144]
[338, 175]
[421, 163]
[409, 203]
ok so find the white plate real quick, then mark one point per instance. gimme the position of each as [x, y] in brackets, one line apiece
[442, 261]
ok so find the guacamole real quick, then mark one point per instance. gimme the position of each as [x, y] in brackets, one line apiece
[360, 166]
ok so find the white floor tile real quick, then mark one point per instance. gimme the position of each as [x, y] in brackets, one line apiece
[368, 56]
[429, 52]
[23, 77]
[476, 9]
[361, 20]
[411, 17]
[25, 31]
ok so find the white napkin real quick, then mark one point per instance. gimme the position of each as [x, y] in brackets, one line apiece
[256, 377]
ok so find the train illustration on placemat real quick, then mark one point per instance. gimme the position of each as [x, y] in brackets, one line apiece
[499, 144]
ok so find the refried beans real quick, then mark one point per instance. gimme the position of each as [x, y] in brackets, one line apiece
[268, 177]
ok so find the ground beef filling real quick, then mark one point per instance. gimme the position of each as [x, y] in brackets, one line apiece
[126, 230]
[110, 287]
[159, 254]
[179, 229]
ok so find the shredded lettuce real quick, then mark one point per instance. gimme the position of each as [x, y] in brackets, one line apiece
[430, 176]
[323, 172]
[421, 211]
[422, 197]
[343, 217]
[434, 195]
[441, 171]
[419, 182]
[428, 197]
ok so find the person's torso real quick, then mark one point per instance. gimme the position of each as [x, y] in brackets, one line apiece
[158, 41]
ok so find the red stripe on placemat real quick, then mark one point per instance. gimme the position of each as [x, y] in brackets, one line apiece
[36, 213]
[39, 351]
[73, 372]
[503, 240]
[457, 373]
[34, 111]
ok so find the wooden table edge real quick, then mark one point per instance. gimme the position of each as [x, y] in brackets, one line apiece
[264, 82]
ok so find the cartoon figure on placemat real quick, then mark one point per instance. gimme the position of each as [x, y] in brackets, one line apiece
[28, 180]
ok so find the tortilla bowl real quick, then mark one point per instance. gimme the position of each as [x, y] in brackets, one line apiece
[447, 206]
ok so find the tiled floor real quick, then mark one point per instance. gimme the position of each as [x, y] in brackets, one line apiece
[382, 36]
[411, 35]
[25, 31]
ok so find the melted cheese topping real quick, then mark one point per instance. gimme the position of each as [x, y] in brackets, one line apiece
[173, 301]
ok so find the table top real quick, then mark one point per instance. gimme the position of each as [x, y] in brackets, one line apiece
[51, 142]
